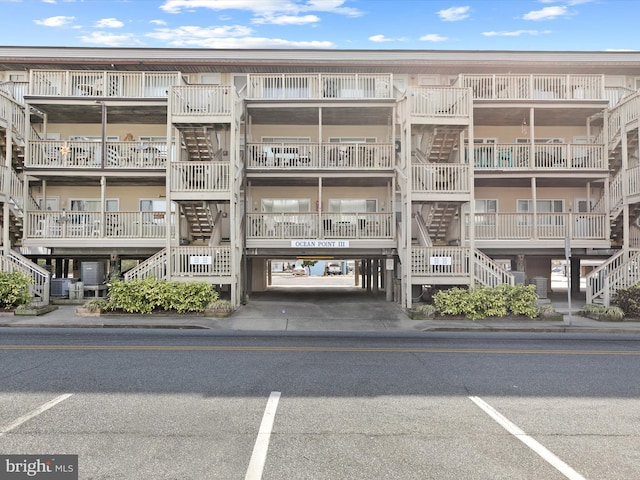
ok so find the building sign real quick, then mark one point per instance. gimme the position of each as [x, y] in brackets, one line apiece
[440, 261]
[320, 243]
[200, 260]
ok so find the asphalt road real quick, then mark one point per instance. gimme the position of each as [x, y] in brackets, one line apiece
[199, 405]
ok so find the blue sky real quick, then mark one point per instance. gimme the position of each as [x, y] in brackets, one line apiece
[581, 25]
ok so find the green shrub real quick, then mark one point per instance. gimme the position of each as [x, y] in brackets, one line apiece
[628, 299]
[613, 314]
[148, 295]
[485, 302]
[14, 289]
[424, 310]
[600, 312]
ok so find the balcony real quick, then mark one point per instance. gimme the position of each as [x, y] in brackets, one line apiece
[12, 114]
[587, 227]
[52, 225]
[330, 156]
[446, 178]
[543, 157]
[356, 226]
[189, 177]
[441, 104]
[109, 84]
[88, 155]
[202, 101]
[293, 86]
[534, 87]
[446, 262]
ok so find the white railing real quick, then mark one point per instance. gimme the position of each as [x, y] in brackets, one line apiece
[120, 155]
[313, 225]
[621, 115]
[199, 176]
[82, 83]
[154, 266]
[633, 180]
[440, 261]
[16, 90]
[534, 87]
[440, 102]
[321, 85]
[542, 226]
[16, 187]
[615, 191]
[440, 177]
[201, 100]
[12, 113]
[320, 155]
[538, 156]
[52, 224]
[201, 261]
[40, 277]
[620, 271]
[489, 273]
[616, 94]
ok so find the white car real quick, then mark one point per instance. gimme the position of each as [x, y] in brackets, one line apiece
[299, 271]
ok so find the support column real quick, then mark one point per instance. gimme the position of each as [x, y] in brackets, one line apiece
[575, 275]
[375, 274]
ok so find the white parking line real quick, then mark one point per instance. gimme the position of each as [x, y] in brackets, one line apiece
[259, 455]
[33, 413]
[513, 429]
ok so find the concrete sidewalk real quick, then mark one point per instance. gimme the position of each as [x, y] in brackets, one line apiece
[292, 313]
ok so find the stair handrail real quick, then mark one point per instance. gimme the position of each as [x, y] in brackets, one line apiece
[40, 288]
[625, 275]
[488, 272]
[152, 266]
[424, 238]
[596, 279]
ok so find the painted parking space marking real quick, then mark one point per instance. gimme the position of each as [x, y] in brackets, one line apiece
[259, 455]
[33, 413]
[534, 445]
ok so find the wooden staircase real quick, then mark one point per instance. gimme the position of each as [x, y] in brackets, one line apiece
[200, 217]
[439, 220]
[198, 143]
[443, 141]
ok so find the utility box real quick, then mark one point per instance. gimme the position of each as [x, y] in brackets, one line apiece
[541, 286]
[92, 273]
[76, 291]
[60, 286]
[518, 277]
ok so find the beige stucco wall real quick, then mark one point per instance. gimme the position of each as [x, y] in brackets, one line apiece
[380, 133]
[113, 130]
[507, 197]
[129, 197]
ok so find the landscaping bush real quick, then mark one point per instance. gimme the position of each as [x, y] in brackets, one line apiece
[149, 295]
[600, 312]
[628, 299]
[485, 302]
[14, 289]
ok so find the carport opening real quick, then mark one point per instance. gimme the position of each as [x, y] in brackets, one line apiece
[315, 273]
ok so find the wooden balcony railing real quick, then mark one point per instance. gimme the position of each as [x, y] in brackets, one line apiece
[321, 156]
[534, 87]
[440, 102]
[319, 86]
[12, 114]
[540, 226]
[16, 187]
[63, 224]
[538, 156]
[15, 90]
[202, 100]
[199, 176]
[440, 261]
[324, 226]
[623, 114]
[120, 155]
[91, 83]
[440, 178]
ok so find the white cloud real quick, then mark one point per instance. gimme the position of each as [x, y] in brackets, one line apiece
[245, 42]
[157, 22]
[454, 14]
[433, 37]
[516, 33]
[547, 13]
[286, 20]
[193, 34]
[263, 7]
[110, 40]
[48, 1]
[59, 21]
[109, 23]
[380, 39]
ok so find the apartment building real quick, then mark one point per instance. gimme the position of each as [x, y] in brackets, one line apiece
[425, 167]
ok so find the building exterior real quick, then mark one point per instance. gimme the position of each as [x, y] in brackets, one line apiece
[426, 167]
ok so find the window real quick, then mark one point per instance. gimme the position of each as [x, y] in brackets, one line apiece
[286, 205]
[485, 205]
[286, 139]
[353, 205]
[211, 78]
[92, 205]
[156, 210]
[540, 140]
[160, 143]
[352, 139]
[542, 207]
